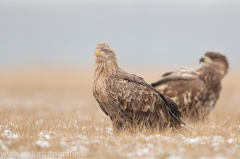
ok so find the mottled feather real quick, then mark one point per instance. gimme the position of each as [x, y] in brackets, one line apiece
[130, 102]
[195, 91]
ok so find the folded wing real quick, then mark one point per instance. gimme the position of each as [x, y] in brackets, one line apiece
[134, 97]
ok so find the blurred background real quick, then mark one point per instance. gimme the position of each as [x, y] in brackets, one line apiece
[48, 45]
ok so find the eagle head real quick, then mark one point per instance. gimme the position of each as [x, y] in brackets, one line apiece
[215, 59]
[103, 54]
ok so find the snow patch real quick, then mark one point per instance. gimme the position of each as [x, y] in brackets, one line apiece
[43, 136]
[3, 146]
[42, 143]
[174, 157]
[9, 134]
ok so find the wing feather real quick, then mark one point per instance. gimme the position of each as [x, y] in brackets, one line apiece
[138, 95]
[184, 87]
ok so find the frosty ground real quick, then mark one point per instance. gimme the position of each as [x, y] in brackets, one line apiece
[49, 114]
[67, 125]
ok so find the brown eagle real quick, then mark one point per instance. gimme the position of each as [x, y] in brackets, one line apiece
[195, 91]
[130, 102]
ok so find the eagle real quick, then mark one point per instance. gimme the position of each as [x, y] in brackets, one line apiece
[195, 91]
[131, 103]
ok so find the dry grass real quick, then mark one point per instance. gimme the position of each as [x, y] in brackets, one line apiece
[55, 112]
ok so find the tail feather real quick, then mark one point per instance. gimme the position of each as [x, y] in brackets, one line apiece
[175, 114]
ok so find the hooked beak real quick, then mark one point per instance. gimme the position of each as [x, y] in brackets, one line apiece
[201, 60]
[98, 52]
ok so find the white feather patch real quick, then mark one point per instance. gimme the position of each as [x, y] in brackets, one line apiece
[185, 99]
[162, 87]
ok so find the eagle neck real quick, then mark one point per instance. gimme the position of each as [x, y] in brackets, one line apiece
[104, 69]
[211, 77]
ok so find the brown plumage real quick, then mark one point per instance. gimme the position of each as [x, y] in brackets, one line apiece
[195, 91]
[130, 102]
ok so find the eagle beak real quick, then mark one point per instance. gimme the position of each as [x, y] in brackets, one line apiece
[201, 60]
[98, 52]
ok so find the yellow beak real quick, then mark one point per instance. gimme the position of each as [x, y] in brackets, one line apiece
[207, 59]
[97, 53]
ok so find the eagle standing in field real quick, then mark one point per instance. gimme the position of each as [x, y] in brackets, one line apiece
[195, 91]
[130, 102]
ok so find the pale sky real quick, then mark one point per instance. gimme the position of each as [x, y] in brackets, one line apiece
[144, 33]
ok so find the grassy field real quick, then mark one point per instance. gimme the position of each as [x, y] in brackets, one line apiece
[51, 113]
